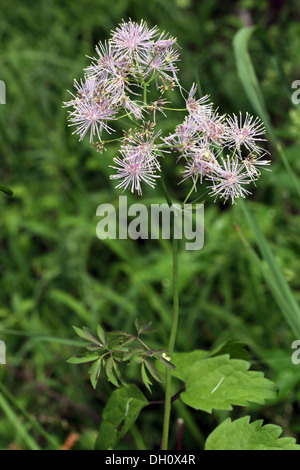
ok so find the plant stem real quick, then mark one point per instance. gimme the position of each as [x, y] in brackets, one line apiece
[175, 298]
[191, 191]
[175, 109]
[166, 194]
[167, 412]
[145, 92]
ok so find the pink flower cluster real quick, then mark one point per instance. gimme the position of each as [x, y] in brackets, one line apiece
[137, 62]
[114, 82]
[221, 149]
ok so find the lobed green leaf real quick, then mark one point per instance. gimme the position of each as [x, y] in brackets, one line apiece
[243, 435]
[119, 414]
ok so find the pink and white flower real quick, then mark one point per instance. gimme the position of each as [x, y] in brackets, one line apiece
[246, 133]
[229, 180]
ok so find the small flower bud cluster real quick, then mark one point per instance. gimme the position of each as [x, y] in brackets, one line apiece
[133, 63]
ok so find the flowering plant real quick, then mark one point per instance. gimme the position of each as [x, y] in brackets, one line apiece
[129, 82]
[129, 79]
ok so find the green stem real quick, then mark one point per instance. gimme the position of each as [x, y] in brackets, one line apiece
[167, 412]
[202, 197]
[175, 109]
[172, 339]
[166, 194]
[175, 298]
[191, 191]
[112, 140]
[145, 92]
[168, 392]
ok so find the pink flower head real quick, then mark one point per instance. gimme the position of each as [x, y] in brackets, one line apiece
[85, 91]
[92, 109]
[197, 168]
[104, 63]
[160, 64]
[245, 134]
[163, 42]
[185, 138]
[228, 181]
[91, 117]
[131, 38]
[143, 146]
[214, 127]
[134, 107]
[198, 108]
[132, 171]
[253, 163]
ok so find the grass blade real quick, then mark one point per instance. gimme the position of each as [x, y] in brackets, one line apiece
[15, 422]
[274, 276]
[250, 83]
[20, 427]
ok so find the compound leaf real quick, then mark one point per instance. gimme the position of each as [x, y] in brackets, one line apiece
[243, 435]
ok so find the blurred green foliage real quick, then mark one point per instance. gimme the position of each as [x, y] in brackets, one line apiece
[55, 272]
